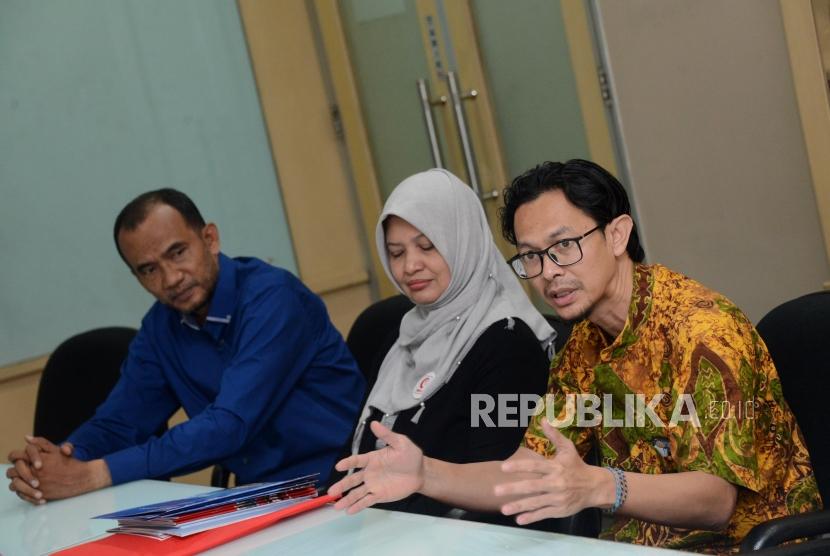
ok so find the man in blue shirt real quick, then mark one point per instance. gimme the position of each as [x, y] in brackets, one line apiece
[245, 348]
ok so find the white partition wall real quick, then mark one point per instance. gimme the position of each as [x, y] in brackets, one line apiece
[101, 100]
[704, 100]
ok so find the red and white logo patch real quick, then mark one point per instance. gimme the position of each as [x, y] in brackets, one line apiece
[422, 384]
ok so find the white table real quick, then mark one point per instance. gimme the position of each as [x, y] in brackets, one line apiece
[27, 529]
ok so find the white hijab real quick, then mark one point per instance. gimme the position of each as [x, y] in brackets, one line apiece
[483, 290]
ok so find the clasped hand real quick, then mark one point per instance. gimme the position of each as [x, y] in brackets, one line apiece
[42, 471]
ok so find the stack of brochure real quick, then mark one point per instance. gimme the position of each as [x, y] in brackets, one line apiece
[187, 516]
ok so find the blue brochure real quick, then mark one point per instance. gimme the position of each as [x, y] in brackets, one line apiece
[241, 496]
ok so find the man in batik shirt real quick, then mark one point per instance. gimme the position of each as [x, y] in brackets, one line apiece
[668, 377]
[681, 338]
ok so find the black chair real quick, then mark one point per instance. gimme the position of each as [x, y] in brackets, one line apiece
[373, 325]
[797, 334]
[78, 377]
[817, 547]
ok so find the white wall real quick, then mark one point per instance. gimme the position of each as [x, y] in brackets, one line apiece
[708, 117]
[101, 100]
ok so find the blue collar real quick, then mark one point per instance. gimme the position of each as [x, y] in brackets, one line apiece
[222, 302]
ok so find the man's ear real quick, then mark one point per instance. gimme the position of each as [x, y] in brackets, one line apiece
[618, 231]
[210, 235]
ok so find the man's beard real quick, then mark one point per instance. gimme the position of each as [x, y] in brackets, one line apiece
[580, 317]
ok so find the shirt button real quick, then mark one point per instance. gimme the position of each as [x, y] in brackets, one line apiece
[245, 461]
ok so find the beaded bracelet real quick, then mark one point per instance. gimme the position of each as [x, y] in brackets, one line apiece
[620, 489]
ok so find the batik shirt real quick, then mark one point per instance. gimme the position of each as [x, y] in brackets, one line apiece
[688, 352]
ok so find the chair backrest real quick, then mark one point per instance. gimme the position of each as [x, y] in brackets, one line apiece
[797, 334]
[372, 326]
[77, 378]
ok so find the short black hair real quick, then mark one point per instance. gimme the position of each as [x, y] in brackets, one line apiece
[588, 186]
[136, 211]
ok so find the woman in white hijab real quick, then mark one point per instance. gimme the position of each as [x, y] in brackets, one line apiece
[472, 335]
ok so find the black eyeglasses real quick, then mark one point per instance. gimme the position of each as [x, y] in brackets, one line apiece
[564, 252]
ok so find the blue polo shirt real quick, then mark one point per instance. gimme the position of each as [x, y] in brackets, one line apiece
[269, 386]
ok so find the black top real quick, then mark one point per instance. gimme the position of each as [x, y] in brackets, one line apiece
[506, 359]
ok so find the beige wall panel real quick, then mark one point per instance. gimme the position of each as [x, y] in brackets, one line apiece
[17, 411]
[344, 306]
[354, 129]
[805, 36]
[315, 187]
[705, 103]
[821, 14]
[584, 62]
[201, 477]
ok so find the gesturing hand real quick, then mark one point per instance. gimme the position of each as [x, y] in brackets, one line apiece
[385, 475]
[566, 484]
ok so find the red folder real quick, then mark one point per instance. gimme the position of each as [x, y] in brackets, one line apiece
[124, 545]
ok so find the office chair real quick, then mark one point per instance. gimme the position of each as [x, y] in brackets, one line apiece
[372, 326]
[78, 377]
[797, 334]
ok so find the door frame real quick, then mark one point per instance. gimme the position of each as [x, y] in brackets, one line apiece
[457, 15]
[811, 91]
